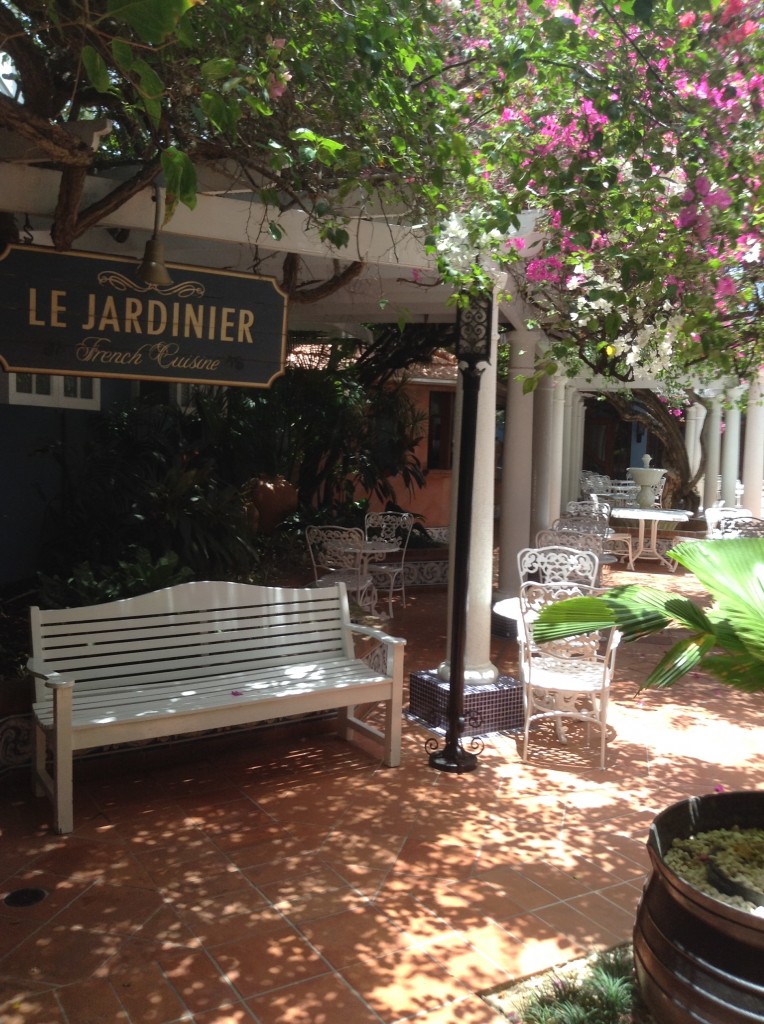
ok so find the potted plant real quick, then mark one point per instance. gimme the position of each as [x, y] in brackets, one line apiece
[698, 958]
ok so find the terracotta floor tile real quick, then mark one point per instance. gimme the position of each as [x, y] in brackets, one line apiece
[539, 945]
[29, 1007]
[268, 959]
[324, 1000]
[605, 913]
[164, 930]
[213, 924]
[464, 904]
[307, 905]
[436, 858]
[416, 922]
[196, 979]
[147, 995]
[562, 884]
[93, 1002]
[519, 888]
[625, 895]
[582, 931]
[194, 887]
[405, 984]
[59, 955]
[360, 933]
[471, 1010]
[298, 876]
[466, 963]
[273, 843]
[238, 1014]
[118, 909]
[87, 860]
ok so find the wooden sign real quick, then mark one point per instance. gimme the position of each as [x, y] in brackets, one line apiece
[90, 315]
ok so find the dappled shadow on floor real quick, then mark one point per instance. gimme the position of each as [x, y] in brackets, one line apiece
[291, 878]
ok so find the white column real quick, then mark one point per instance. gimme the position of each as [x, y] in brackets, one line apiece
[542, 467]
[567, 446]
[556, 449]
[694, 418]
[753, 448]
[576, 447]
[731, 448]
[713, 432]
[477, 650]
[517, 470]
[548, 413]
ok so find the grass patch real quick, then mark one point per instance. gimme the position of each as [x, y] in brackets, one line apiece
[599, 989]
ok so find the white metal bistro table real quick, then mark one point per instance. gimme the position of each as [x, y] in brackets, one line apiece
[653, 516]
[376, 550]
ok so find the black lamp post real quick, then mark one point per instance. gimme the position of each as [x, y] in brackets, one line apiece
[473, 346]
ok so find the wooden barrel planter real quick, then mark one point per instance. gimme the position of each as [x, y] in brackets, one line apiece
[699, 960]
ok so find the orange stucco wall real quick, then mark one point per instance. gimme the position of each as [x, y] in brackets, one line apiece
[433, 501]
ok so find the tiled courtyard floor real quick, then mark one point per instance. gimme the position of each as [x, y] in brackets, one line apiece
[295, 881]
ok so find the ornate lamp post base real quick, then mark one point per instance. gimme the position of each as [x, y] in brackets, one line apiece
[473, 346]
[456, 760]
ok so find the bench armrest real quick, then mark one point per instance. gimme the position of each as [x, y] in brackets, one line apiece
[50, 677]
[376, 634]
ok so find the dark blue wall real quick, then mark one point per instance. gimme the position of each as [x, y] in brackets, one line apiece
[30, 480]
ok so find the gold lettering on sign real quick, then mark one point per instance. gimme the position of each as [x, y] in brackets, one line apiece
[133, 309]
[157, 316]
[57, 310]
[33, 321]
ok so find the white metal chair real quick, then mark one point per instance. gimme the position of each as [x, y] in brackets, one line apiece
[588, 507]
[568, 678]
[557, 564]
[740, 526]
[616, 543]
[594, 542]
[596, 519]
[337, 556]
[716, 513]
[393, 528]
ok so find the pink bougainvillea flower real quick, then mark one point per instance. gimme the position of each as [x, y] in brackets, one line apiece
[725, 286]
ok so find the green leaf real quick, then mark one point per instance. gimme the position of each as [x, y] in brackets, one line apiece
[95, 66]
[151, 89]
[218, 69]
[122, 53]
[153, 20]
[180, 180]
[643, 11]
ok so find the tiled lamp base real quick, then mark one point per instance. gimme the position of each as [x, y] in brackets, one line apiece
[488, 707]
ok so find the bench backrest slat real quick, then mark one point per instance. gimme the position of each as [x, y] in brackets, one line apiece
[193, 630]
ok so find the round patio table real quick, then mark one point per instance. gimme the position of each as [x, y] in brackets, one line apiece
[653, 516]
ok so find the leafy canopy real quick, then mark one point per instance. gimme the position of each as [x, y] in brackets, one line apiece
[632, 129]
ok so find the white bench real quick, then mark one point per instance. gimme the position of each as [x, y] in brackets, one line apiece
[201, 656]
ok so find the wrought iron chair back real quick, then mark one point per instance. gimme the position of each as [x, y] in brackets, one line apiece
[337, 555]
[740, 526]
[557, 564]
[393, 528]
[567, 678]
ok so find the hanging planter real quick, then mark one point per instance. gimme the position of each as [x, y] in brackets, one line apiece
[699, 960]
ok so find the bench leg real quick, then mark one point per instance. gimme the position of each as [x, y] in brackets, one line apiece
[39, 773]
[63, 795]
[393, 715]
